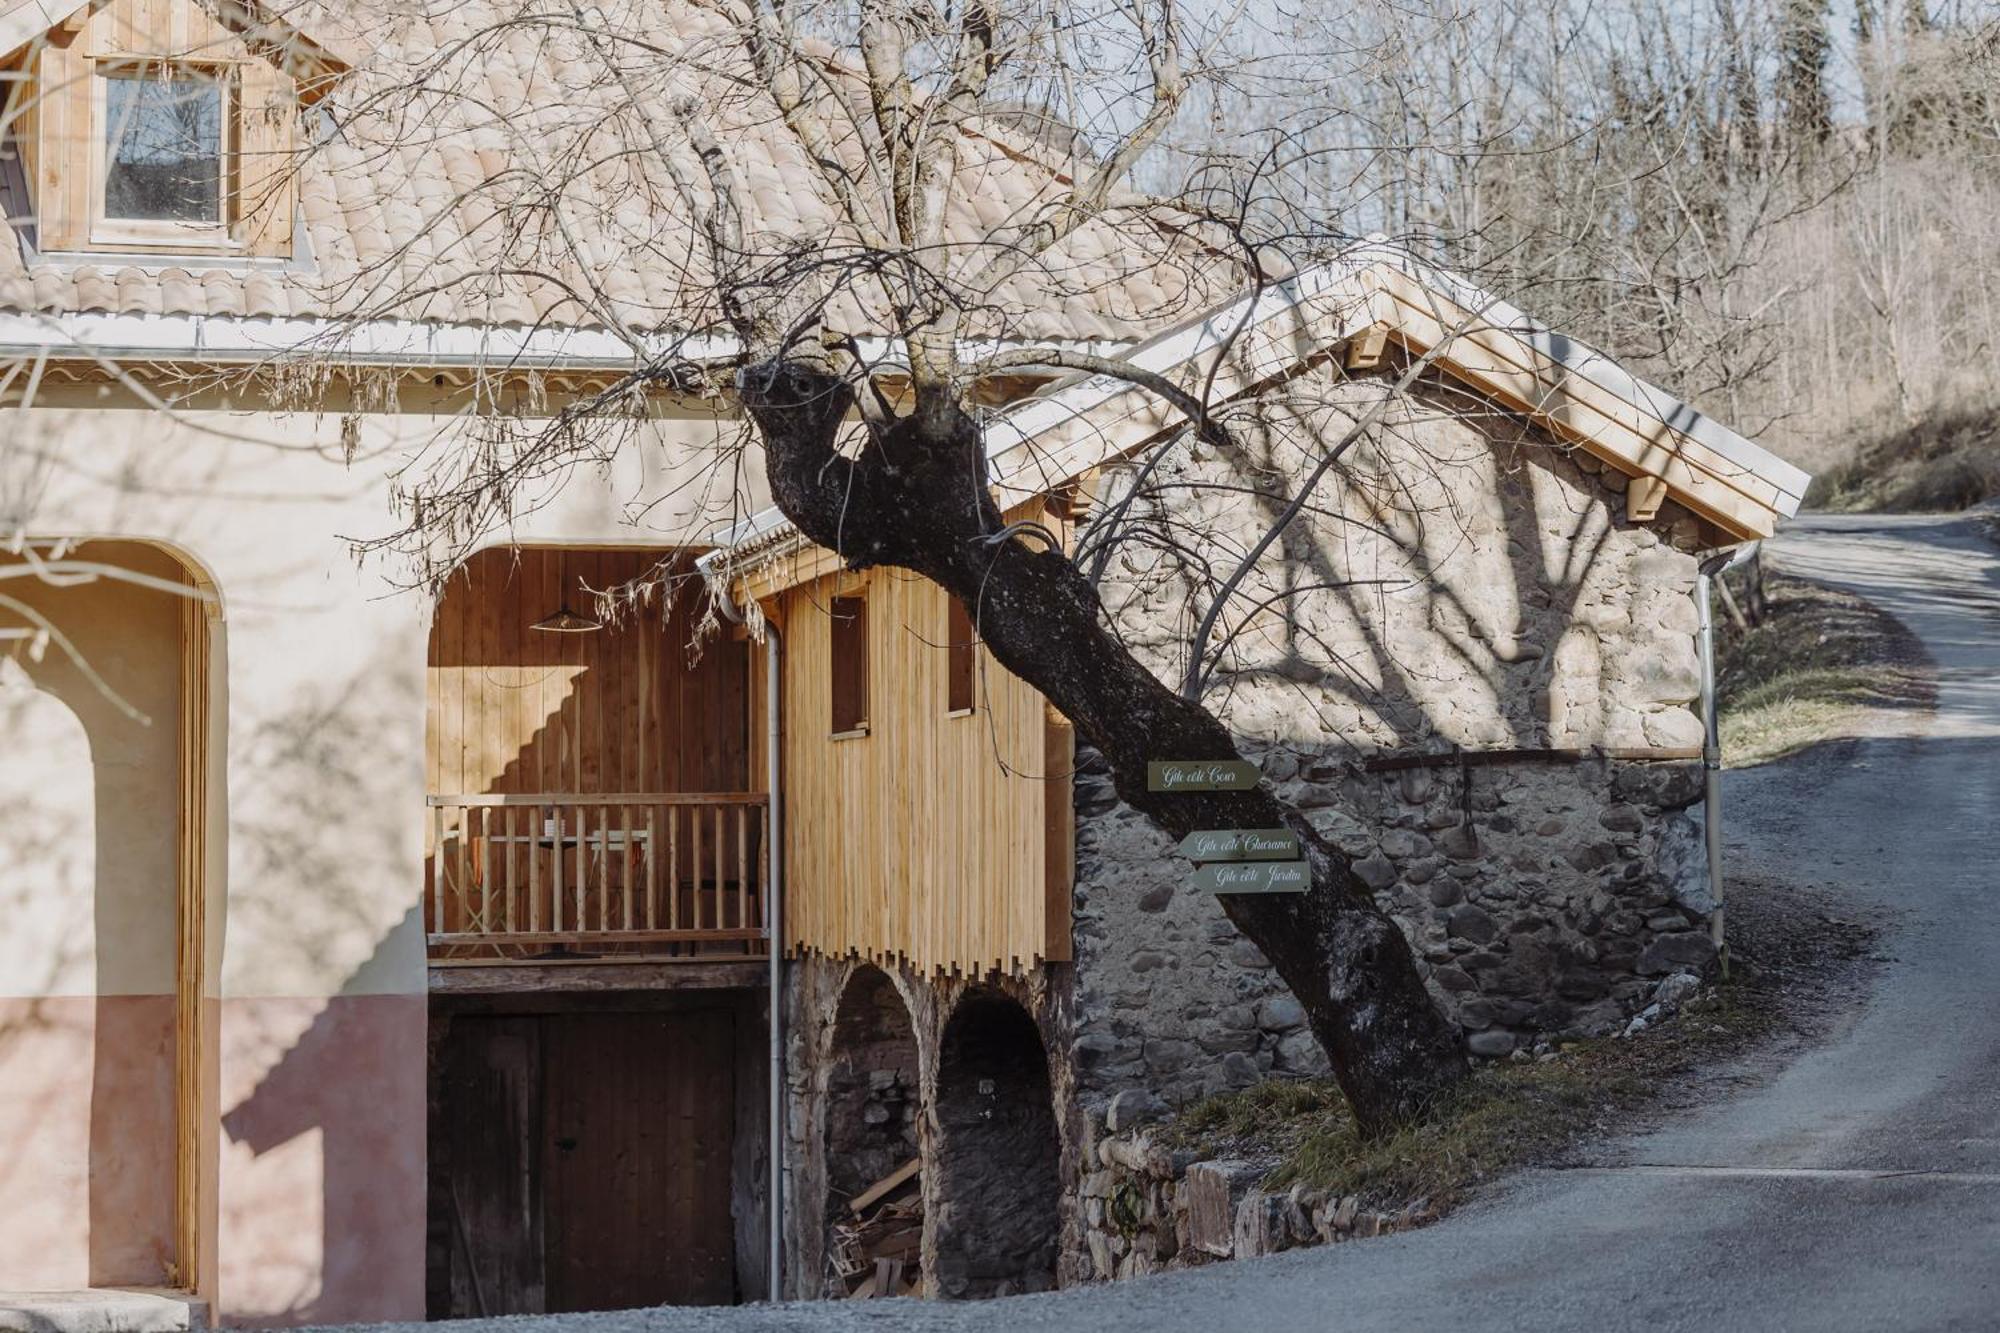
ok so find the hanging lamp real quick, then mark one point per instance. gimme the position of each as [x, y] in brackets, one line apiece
[564, 620]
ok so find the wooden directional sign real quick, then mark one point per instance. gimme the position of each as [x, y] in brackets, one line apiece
[1201, 775]
[1241, 844]
[1255, 877]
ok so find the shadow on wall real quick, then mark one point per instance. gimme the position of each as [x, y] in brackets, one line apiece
[89, 883]
[323, 1034]
[349, 1091]
[1453, 580]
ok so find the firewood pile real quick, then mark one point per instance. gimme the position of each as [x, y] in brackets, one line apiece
[873, 1251]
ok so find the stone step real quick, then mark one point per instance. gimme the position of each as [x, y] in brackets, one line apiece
[102, 1310]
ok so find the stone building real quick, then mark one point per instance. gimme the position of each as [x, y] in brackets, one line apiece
[1471, 660]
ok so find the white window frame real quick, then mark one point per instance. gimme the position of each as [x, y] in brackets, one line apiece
[142, 233]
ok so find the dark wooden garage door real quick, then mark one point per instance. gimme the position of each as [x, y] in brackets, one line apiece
[583, 1162]
[638, 1115]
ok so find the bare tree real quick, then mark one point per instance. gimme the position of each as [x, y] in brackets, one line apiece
[866, 331]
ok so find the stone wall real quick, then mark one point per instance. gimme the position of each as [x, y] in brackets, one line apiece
[1460, 583]
[855, 1033]
[1147, 1208]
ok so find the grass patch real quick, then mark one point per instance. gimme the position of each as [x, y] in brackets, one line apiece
[1792, 962]
[1818, 663]
[1507, 1115]
[1947, 462]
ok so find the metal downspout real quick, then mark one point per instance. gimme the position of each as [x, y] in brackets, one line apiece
[774, 916]
[774, 919]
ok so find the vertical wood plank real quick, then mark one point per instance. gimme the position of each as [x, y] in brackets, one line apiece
[652, 866]
[513, 845]
[556, 859]
[694, 864]
[461, 874]
[626, 862]
[604, 867]
[721, 906]
[536, 822]
[580, 881]
[673, 867]
[742, 869]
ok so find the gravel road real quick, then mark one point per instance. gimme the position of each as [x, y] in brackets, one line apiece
[1858, 1187]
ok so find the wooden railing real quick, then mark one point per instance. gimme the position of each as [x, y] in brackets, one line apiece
[534, 878]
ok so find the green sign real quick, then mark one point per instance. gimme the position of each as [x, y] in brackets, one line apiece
[1255, 877]
[1201, 775]
[1241, 844]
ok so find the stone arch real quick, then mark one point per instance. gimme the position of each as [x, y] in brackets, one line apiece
[996, 1220]
[873, 1095]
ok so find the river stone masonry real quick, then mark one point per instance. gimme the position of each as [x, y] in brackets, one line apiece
[1507, 606]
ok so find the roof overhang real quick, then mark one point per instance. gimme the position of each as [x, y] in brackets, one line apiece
[418, 345]
[25, 21]
[1578, 394]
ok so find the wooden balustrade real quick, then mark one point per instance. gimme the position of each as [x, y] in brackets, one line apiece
[540, 877]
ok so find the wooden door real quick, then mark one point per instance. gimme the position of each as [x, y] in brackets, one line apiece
[486, 1161]
[638, 1116]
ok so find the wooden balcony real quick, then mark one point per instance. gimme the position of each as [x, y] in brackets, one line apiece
[621, 876]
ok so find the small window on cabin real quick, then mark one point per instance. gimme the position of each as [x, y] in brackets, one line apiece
[961, 646]
[163, 149]
[849, 665]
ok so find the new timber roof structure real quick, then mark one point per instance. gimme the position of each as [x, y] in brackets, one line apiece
[1373, 294]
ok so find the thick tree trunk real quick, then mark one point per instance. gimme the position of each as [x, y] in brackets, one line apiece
[917, 500]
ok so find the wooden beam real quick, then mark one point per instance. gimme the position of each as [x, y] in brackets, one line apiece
[887, 1185]
[1059, 834]
[1366, 348]
[1643, 497]
[593, 976]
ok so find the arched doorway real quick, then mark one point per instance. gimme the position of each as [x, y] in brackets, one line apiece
[872, 1099]
[105, 714]
[998, 1155]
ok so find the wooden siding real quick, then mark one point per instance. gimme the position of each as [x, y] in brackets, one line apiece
[930, 838]
[59, 123]
[515, 710]
[525, 727]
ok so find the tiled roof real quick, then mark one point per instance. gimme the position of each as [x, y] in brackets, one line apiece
[477, 167]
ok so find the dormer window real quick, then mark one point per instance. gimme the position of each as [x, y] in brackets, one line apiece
[163, 144]
[161, 128]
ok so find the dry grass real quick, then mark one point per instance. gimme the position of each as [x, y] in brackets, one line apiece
[1506, 1116]
[1818, 664]
[1790, 959]
[1949, 461]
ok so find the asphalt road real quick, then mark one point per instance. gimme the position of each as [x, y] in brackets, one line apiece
[1856, 1188]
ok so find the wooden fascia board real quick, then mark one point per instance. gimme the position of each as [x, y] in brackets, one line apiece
[1587, 363]
[1086, 422]
[1131, 419]
[1505, 369]
[1482, 350]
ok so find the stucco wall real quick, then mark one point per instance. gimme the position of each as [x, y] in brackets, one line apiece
[1459, 581]
[318, 958]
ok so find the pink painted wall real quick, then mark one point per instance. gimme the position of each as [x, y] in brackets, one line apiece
[87, 1111]
[322, 1177]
